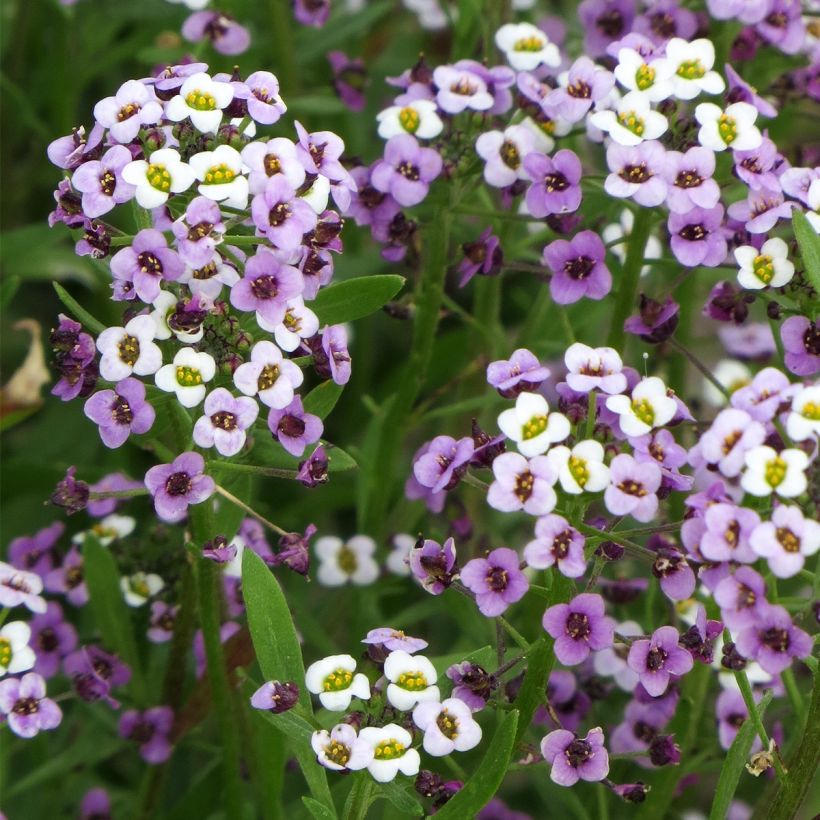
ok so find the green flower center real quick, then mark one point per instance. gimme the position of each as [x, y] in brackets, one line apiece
[388, 750]
[409, 119]
[219, 175]
[338, 681]
[267, 378]
[447, 724]
[727, 128]
[129, 350]
[188, 376]
[534, 427]
[632, 122]
[775, 471]
[101, 531]
[200, 100]
[644, 411]
[691, 70]
[5, 652]
[139, 586]
[532, 43]
[645, 77]
[579, 470]
[811, 411]
[412, 681]
[763, 268]
[347, 560]
[337, 752]
[158, 177]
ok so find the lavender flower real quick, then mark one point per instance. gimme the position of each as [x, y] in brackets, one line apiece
[52, 639]
[579, 627]
[741, 598]
[578, 268]
[275, 697]
[267, 286]
[555, 187]
[521, 373]
[349, 79]
[697, 238]
[35, 553]
[556, 544]
[573, 759]
[392, 640]
[483, 256]
[281, 217]
[406, 170]
[690, 182]
[133, 106]
[786, 540]
[445, 461]
[121, 412]
[294, 428]
[434, 564]
[632, 488]
[774, 641]
[26, 708]
[637, 172]
[101, 184]
[20, 588]
[225, 421]
[495, 580]
[472, 684]
[522, 483]
[179, 484]
[801, 339]
[658, 658]
[151, 729]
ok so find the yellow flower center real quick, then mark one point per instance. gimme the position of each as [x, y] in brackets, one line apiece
[534, 427]
[337, 752]
[632, 122]
[409, 119]
[188, 376]
[129, 350]
[727, 128]
[579, 470]
[811, 411]
[200, 100]
[5, 652]
[268, 376]
[644, 411]
[347, 560]
[219, 174]
[388, 750]
[775, 471]
[691, 70]
[139, 586]
[531, 43]
[645, 77]
[412, 681]
[763, 268]
[337, 681]
[788, 540]
[447, 724]
[158, 177]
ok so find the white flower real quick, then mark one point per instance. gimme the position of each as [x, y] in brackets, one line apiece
[220, 176]
[653, 80]
[107, 530]
[20, 587]
[448, 726]
[732, 374]
[690, 67]
[139, 587]
[590, 368]
[341, 748]
[622, 230]
[582, 468]
[129, 349]
[317, 195]
[632, 122]
[649, 407]
[397, 561]
[201, 99]
[15, 653]
[503, 153]
[412, 680]
[163, 174]
[733, 128]
[418, 117]
[343, 561]
[300, 322]
[531, 425]
[334, 681]
[813, 215]
[164, 305]
[268, 375]
[768, 267]
[768, 471]
[804, 419]
[526, 47]
[391, 752]
[187, 376]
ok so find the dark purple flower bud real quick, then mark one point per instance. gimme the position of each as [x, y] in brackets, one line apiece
[732, 659]
[632, 792]
[610, 550]
[472, 684]
[622, 590]
[656, 321]
[294, 550]
[483, 257]
[70, 494]
[728, 304]
[313, 470]
[276, 697]
[663, 751]
[487, 447]
[96, 241]
[219, 550]
[428, 784]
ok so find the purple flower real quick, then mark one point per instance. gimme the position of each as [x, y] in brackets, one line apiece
[406, 170]
[70, 151]
[225, 421]
[726, 537]
[637, 172]
[151, 730]
[96, 805]
[656, 321]
[52, 638]
[120, 412]
[586, 84]
[434, 564]
[275, 697]
[677, 580]
[786, 540]
[74, 353]
[35, 553]
[555, 185]
[148, 262]
[111, 483]
[801, 339]
[133, 106]
[461, 88]
[24, 703]
[523, 484]
[689, 180]
[741, 598]
[176, 485]
[267, 286]
[655, 660]
[578, 268]
[483, 257]
[496, 581]
[761, 210]
[472, 684]
[578, 627]
[732, 434]
[294, 550]
[281, 216]
[198, 233]
[70, 493]
[101, 183]
[334, 348]
[573, 759]
[313, 470]
[445, 461]
[69, 208]
[226, 35]
[731, 713]
[697, 238]
[311, 12]
[757, 167]
[557, 544]
[392, 639]
[349, 79]
[162, 622]
[261, 90]
[604, 22]
[522, 373]
[700, 638]
[763, 397]
[774, 641]
[664, 19]
[294, 428]
[632, 488]
[69, 579]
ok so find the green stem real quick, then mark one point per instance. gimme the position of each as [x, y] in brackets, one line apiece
[751, 708]
[514, 633]
[135, 493]
[279, 16]
[630, 546]
[230, 467]
[180, 641]
[359, 799]
[793, 693]
[592, 411]
[249, 510]
[630, 275]
[699, 365]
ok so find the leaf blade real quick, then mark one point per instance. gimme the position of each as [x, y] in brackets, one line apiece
[355, 298]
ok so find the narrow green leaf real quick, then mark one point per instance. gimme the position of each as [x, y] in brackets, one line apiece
[78, 312]
[401, 799]
[736, 759]
[343, 27]
[318, 810]
[485, 781]
[809, 242]
[355, 298]
[485, 656]
[110, 611]
[540, 660]
[322, 399]
[8, 287]
[360, 797]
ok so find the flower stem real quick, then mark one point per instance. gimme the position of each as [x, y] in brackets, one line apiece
[707, 374]
[629, 276]
[751, 708]
[249, 510]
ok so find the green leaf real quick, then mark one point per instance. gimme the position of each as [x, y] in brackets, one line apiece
[77, 311]
[318, 810]
[485, 781]
[736, 759]
[280, 658]
[532, 694]
[809, 243]
[322, 399]
[485, 656]
[39, 253]
[355, 298]
[402, 799]
[229, 516]
[110, 611]
[468, 27]
[343, 26]
[8, 287]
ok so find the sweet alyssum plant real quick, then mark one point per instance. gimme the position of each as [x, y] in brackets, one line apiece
[644, 556]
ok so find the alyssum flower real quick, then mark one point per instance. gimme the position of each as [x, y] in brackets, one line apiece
[335, 680]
